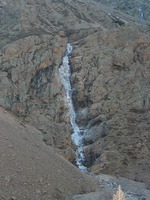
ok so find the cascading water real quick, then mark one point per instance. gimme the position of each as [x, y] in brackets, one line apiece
[77, 136]
[141, 12]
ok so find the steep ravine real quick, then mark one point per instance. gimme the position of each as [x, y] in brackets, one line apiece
[77, 135]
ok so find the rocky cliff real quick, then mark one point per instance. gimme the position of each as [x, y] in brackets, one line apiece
[110, 79]
[111, 94]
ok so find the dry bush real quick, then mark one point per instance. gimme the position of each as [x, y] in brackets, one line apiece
[119, 194]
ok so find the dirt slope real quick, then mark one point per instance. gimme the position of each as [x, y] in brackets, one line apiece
[31, 170]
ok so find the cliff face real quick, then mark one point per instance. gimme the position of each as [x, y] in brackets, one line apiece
[111, 94]
[34, 35]
[110, 79]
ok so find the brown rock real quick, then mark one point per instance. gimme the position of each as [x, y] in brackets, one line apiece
[121, 93]
[70, 155]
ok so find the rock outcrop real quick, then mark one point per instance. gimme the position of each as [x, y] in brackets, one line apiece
[111, 93]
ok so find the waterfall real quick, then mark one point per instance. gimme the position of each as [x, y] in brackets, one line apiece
[141, 12]
[77, 136]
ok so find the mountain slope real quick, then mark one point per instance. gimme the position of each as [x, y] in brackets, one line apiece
[111, 93]
[133, 8]
[29, 169]
[110, 79]
[25, 18]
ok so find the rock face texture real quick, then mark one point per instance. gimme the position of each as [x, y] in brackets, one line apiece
[30, 57]
[111, 93]
[110, 79]
[133, 8]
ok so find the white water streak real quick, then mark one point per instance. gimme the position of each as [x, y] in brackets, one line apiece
[77, 137]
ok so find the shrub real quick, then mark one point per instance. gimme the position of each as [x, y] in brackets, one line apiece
[119, 194]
